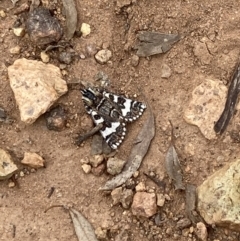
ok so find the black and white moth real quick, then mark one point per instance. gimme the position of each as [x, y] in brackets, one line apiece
[112, 111]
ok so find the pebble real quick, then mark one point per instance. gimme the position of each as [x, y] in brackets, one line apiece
[86, 168]
[135, 60]
[65, 57]
[101, 233]
[144, 204]
[116, 195]
[33, 160]
[7, 166]
[21, 174]
[141, 187]
[2, 14]
[201, 52]
[36, 87]
[19, 32]
[85, 29]
[11, 184]
[166, 71]
[103, 56]
[15, 50]
[99, 170]
[183, 223]
[201, 231]
[115, 165]
[44, 57]
[126, 198]
[96, 160]
[160, 199]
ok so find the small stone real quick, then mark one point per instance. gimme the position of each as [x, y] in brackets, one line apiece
[169, 231]
[2, 14]
[99, 170]
[166, 71]
[201, 231]
[21, 174]
[7, 166]
[96, 160]
[44, 57]
[65, 57]
[85, 29]
[33, 160]
[15, 50]
[115, 165]
[116, 195]
[136, 174]
[2, 114]
[141, 187]
[11, 184]
[101, 233]
[144, 204]
[183, 223]
[36, 86]
[160, 199]
[135, 60]
[201, 52]
[19, 32]
[86, 168]
[103, 56]
[206, 105]
[167, 197]
[126, 198]
[42, 27]
[56, 119]
[185, 232]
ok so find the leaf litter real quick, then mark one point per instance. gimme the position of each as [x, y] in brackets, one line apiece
[82, 227]
[138, 152]
[172, 165]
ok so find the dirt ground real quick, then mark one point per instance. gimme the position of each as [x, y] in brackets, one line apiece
[212, 26]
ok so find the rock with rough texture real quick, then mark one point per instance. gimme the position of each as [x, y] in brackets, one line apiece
[144, 204]
[160, 199]
[33, 160]
[219, 195]
[201, 231]
[206, 106]
[201, 52]
[96, 160]
[7, 166]
[36, 87]
[103, 56]
[86, 168]
[123, 196]
[115, 165]
[85, 29]
[166, 71]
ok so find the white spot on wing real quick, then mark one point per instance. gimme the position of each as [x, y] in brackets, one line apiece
[110, 130]
[127, 107]
[101, 120]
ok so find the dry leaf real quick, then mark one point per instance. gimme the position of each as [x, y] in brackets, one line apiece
[71, 18]
[173, 168]
[137, 154]
[151, 43]
[83, 228]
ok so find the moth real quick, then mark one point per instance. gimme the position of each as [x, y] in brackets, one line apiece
[112, 111]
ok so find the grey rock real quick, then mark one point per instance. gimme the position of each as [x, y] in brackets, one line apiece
[144, 204]
[184, 223]
[219, 195]
[115, 165]
[7, 166]
[36, 87]
[206, 105]
[103, 56]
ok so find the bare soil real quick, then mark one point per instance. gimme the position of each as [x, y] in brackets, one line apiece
[212, 25]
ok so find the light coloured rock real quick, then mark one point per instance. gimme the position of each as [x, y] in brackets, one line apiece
[19, 32]
[103, 56]
[15, 50]
[144, 204]
[116, 195]
[126, 198]
[44, 57]
[115, 165]
[101, 233]
[166, 71]
[160, 199]
[141, 187]
[85, 29]
[96, 160]
[135, 60]
[201, 231]
[7, 166]
[33, 160]
[206, 106]
[36, 87]
[2, 14]
[86, 168]
[219, 195]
